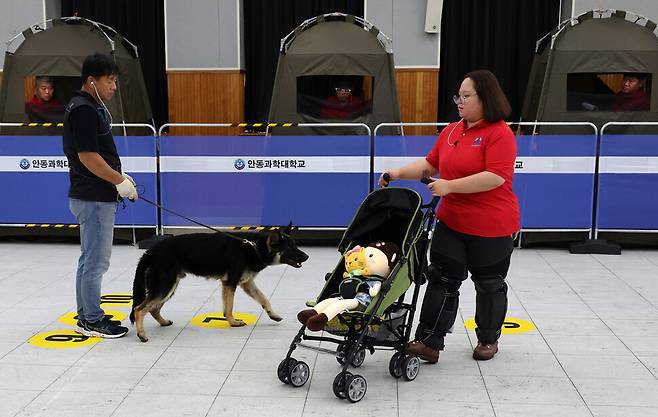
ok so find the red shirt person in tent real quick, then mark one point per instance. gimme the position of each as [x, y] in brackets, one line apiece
[477, 217]
[632, 96]
[342, 105]
[44, 107]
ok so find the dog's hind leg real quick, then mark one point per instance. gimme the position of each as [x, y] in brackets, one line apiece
[155, 312]
[254, 292]
[228, 294]
[140, 312]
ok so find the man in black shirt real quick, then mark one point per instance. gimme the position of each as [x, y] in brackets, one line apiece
[97, 182]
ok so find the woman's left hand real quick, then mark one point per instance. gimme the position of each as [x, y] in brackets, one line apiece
[439, 187]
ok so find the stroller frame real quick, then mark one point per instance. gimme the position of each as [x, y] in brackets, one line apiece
[352, 346]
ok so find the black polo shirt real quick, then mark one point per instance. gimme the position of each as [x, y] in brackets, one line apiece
[87, 129]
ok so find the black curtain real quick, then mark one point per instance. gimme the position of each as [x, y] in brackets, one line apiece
[142, 23]
[496, 35]
[265, 23]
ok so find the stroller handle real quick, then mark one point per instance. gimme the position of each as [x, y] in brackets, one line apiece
[425, 180]
[387, 178]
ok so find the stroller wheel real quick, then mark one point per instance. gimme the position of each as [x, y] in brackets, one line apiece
[411, 368]
[283, 370]
[298, 374]
[395, 365]
[339, 384]
[356, 388]
[341, 353]
[359, 358]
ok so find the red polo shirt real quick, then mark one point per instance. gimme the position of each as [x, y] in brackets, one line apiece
[460, 152]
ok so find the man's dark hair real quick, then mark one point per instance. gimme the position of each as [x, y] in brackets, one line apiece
[98, 65]
[639, 75]
[44, 79]
[495, 106]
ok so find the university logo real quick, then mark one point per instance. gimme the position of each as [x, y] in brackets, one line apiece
[239, 164]
[24, 164]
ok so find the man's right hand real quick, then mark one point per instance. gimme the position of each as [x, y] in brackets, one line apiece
[127, 189]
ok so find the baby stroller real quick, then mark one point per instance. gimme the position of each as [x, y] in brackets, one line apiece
[388, 214]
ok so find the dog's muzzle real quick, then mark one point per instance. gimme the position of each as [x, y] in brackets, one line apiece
[294, 259]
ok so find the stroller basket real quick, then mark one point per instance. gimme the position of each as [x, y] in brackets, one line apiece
[382, 330]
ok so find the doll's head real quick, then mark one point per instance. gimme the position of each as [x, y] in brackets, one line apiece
[380, 257]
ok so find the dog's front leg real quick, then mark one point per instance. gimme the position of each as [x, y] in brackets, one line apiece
[254, 292]
[228, 294]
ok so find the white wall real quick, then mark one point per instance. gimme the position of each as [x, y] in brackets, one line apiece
[15, 17]
[204, 34]
[404, 22]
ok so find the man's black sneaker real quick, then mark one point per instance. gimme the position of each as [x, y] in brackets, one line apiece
[114, 322]
[101, 328]
[105, 317]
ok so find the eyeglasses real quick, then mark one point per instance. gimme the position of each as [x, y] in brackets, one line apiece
[462, 98]
[343, 90]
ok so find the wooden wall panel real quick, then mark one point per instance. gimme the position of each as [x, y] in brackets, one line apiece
[418, 94]
[29, 87]
[206, 97]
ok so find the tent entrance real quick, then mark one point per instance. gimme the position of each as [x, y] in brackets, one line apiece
[335, 97]
[587, 92]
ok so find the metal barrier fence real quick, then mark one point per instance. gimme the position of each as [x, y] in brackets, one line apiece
[35, 171]
[562, 182]
[554, 174]
[628, 181]
[314, 181]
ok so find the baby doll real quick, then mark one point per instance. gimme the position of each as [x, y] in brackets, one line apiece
[357, 288]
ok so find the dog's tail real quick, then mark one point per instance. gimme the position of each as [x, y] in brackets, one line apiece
[139, 285]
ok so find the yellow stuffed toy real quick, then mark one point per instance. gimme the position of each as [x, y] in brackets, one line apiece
[355, 262]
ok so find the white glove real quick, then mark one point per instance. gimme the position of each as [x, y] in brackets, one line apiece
[127, 188]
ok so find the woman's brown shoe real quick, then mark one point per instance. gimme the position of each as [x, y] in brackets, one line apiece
[421, 350]
[485, 351]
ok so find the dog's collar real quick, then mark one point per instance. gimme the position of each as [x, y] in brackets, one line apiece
[250, 242]
[255, 246]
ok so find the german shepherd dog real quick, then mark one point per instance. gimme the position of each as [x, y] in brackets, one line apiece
[232, 259]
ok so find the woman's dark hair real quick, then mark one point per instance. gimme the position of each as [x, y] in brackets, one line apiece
[98, 65]
[495, 106]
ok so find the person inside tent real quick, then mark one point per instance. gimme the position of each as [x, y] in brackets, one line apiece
[44, 107]
[632, 96]
[342, 105]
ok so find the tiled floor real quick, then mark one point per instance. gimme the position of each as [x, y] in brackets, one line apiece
[594, 351]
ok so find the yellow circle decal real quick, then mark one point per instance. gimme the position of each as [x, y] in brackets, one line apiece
[510, 326]
[218, 321]
[72, 318]
[62, 339]
[116, 300]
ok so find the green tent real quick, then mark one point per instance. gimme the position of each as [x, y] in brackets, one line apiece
[58, 51]
[326, 52]
[575, 66]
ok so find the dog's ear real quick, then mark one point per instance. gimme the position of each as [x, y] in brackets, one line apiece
[288, 229]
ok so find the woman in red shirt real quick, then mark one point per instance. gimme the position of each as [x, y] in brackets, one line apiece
[477, 217]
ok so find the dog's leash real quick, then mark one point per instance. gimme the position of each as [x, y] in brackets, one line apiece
[247, 241]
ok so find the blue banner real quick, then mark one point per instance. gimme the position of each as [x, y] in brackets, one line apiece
[553, 181]
[34, 171]
[313, 181]
[628, 183]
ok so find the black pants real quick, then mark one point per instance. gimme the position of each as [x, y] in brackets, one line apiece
[452, 256]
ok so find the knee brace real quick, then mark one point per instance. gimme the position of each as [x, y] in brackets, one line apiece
[440, 304]
[490, 284]
[437, 277]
